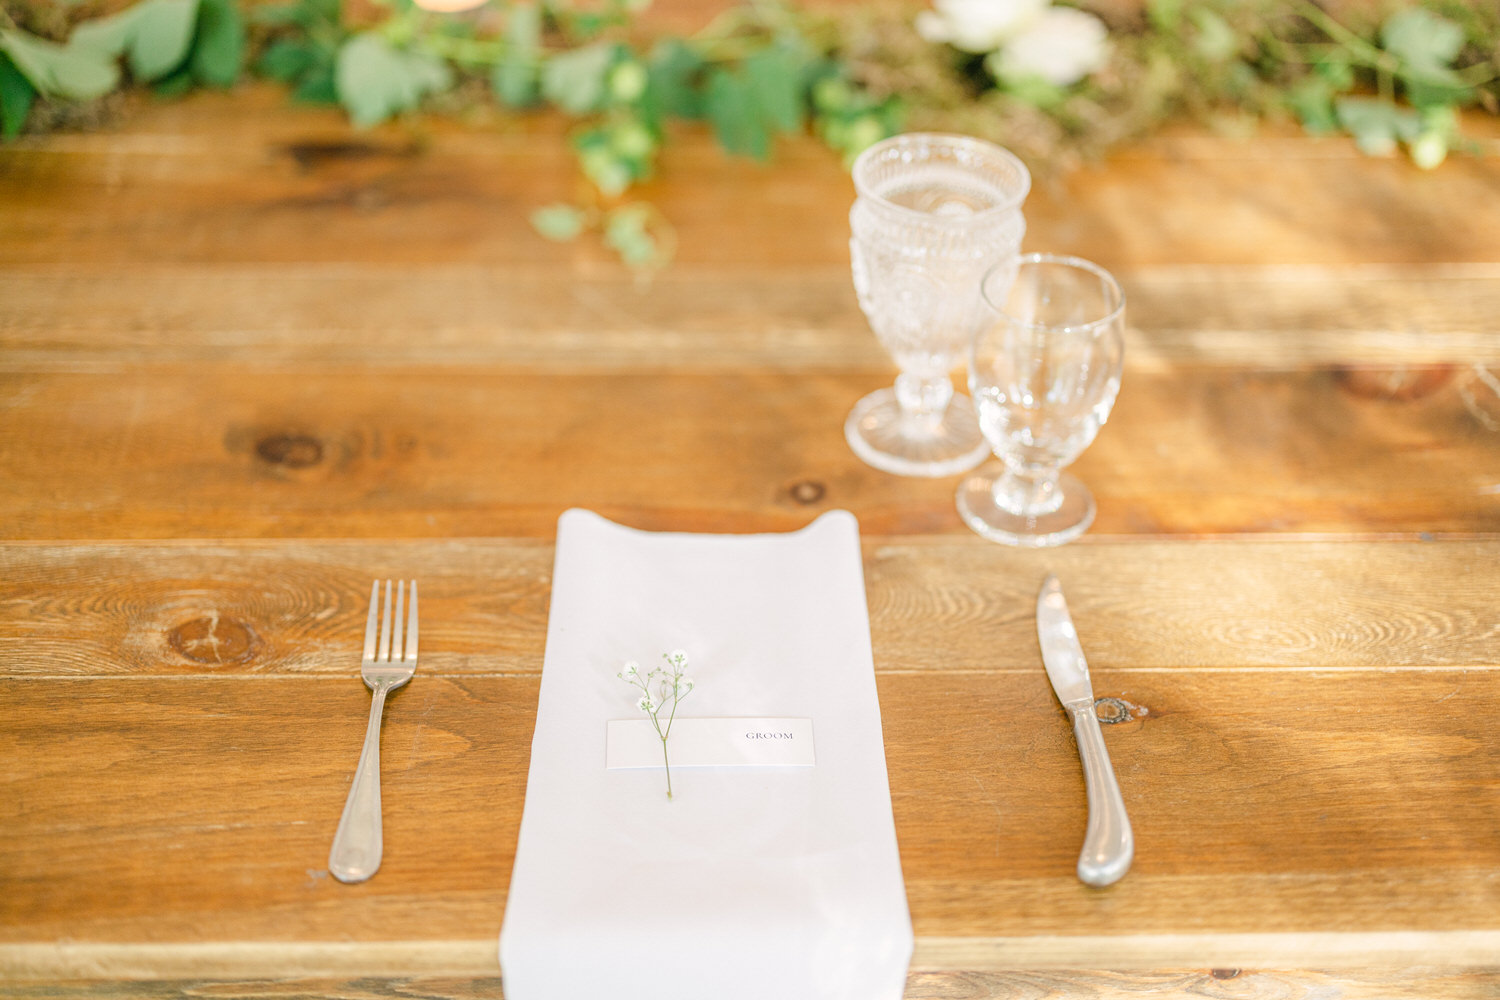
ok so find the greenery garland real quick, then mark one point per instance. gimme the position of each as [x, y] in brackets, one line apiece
[1392, 77]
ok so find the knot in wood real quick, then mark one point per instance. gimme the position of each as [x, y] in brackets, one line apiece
[1398, 384]
[808, 491]
[295, 451]
[214, 641]
[1224, 973]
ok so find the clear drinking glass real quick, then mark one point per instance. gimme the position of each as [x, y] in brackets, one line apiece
[1044, 369]
[933, 214]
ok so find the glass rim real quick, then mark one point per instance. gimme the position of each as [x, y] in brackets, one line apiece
[863, 190]
[1067, 260]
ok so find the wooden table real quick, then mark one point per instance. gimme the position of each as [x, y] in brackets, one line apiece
[251, 359]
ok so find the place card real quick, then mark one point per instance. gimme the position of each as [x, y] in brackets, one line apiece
[712, 743]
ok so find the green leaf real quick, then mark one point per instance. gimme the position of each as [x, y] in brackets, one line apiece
[672, 85]
[559, 223]
[219, 49]
[108, 36]
[732, 110]
[318, 86]
[775, 80]
[162, 35]
[286, 60]
[1375, 124]
[626, 232]
[375, 81]
[16, 96]
[1216, 40]
[1424, 41]
[575, 81]
[175, 84]
[58, 71]
[154, 36]
[515, 80]
[1312, 101]
[1165, 15]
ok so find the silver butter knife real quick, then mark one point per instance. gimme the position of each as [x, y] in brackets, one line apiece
[1108, 846]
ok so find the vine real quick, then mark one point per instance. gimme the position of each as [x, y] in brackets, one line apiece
[1052, 82]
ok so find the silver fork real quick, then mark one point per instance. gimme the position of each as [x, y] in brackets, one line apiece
[358, 844]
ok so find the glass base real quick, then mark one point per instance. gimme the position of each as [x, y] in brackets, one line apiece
[893, 441]
[1070, 514]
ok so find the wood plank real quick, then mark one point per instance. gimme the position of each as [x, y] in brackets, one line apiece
[253, 610]
[246, 178]
[122, 832]
[316, 316]
[1186, 984]
[219, 452]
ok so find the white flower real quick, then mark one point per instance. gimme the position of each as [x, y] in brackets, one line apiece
[678, 658]
[631, 669]
[645, 704]
[684, 684]
[977, 25]
[1061, 47]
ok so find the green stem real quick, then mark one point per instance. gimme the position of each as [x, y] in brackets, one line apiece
[666, 764]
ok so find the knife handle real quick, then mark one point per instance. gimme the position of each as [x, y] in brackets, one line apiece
[1108, 846]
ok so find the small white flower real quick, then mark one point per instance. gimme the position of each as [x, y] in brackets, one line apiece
[1062, 46]
[645, 704]
[977, 25]
[684, 684]
[678, 658]
[632, 668]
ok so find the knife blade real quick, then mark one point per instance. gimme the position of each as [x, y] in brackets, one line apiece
[1108, 844]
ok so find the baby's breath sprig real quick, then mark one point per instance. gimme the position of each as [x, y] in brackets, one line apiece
[671, 685]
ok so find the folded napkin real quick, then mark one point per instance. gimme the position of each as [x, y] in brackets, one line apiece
[751, 882]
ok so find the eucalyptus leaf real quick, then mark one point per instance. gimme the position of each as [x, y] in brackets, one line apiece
[59, 71]
[575, 81]
[375, 80]
[219, 48]
[16, 97]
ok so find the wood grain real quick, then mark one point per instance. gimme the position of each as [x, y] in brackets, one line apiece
[340, 316]
[242, 178]
[937, 605]
[153, 836]
[220, 452]
[1226, 983]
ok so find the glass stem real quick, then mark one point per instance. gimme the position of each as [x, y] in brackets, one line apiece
[924, 400]
[1029, 492]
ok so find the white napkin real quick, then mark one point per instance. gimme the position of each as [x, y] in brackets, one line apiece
[752, 882]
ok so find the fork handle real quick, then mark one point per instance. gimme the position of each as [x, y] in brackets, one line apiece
[359, 843]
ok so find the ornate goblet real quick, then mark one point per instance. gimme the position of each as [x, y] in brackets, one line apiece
[933, 214]
[1044, 370]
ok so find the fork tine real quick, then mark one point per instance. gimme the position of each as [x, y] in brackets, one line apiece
[396, 635]
[370, 624]
[384, 653]
[411, 625]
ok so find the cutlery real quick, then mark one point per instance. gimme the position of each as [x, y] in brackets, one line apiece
[387, 664]
[1108, 844]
